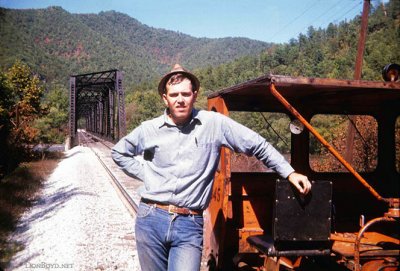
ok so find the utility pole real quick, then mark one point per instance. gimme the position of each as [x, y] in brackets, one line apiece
[351, 131]
[361, 40]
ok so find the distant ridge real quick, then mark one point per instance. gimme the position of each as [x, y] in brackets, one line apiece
[56, 43]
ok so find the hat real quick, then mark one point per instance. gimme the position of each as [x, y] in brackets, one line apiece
[178, 69]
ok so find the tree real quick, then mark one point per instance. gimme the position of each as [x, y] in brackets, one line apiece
[20, 105]
[52, 127]
[141, 106]
[27, 92]
[5, 104]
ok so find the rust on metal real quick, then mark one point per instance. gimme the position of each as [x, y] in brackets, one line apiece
[332, 150]
[351, 131]
[360, 235]
[317, 94]
[219, 209]
[361, 41]
[242, 201]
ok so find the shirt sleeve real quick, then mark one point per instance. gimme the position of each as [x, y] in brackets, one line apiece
[127, 154]
[242, 139]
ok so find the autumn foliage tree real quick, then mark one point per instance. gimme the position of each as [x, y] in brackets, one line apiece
[20, 105]
[334, 129]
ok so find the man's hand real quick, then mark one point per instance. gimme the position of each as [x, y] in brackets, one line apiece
[301, 182]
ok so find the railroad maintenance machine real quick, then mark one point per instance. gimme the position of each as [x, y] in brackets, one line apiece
[350, 220]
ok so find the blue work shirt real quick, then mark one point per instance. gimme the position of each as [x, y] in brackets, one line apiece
[177, 164]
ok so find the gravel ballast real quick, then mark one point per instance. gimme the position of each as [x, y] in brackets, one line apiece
[78, 222]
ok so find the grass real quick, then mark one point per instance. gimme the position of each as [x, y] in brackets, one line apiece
[17, 193]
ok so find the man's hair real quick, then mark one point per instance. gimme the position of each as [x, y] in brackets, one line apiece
[176, 79]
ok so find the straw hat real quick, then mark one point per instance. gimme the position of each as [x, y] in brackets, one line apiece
[178, 69]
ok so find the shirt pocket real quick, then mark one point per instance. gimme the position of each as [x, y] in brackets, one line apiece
[203, 154]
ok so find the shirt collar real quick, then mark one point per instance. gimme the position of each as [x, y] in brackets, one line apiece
[166, 121]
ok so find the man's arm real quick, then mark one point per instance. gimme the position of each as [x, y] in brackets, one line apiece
[243, 139]
[125, 154]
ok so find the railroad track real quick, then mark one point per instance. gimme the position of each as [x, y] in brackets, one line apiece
[92, 142]
[124, 185]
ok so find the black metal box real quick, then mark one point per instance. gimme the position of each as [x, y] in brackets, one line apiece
[302, 218]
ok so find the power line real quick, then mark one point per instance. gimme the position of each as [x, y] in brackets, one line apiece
[328, 10]
[292, 21]
[343, 14]
[335, 15]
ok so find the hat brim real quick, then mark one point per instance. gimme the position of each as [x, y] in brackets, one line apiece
[192, 78]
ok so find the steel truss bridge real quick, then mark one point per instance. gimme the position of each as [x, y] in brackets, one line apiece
[98, 100]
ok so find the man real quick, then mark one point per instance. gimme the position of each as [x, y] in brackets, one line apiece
[176, 156]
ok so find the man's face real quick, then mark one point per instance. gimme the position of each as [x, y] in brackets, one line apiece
[180, 98]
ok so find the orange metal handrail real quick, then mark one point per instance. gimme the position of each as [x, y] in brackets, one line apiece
[360, 234]
[288, 106]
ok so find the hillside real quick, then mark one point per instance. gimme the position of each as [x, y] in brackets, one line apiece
[57, 43]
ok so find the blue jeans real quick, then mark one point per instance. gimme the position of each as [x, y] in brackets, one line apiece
[168, 241]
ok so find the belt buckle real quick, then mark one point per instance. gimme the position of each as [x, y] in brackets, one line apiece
[171, 209]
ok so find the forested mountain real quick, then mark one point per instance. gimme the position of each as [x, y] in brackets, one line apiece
[56, 44]
[324, 53]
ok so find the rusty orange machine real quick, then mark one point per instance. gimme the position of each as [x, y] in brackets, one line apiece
[355, 219]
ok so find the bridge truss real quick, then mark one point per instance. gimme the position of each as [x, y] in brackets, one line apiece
[98, 100]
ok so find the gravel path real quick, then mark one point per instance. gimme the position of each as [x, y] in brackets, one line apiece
[78, 223]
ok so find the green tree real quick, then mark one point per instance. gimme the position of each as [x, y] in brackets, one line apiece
[27, 92]
[5, 103]
[52, 128]
[141, 106]
[5, 124]
[20, 105]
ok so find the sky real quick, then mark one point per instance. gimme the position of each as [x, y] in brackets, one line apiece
[266, 20]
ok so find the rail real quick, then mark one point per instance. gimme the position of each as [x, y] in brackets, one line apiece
[84, 140]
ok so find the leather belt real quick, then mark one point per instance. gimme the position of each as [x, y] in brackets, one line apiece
[172, 209]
